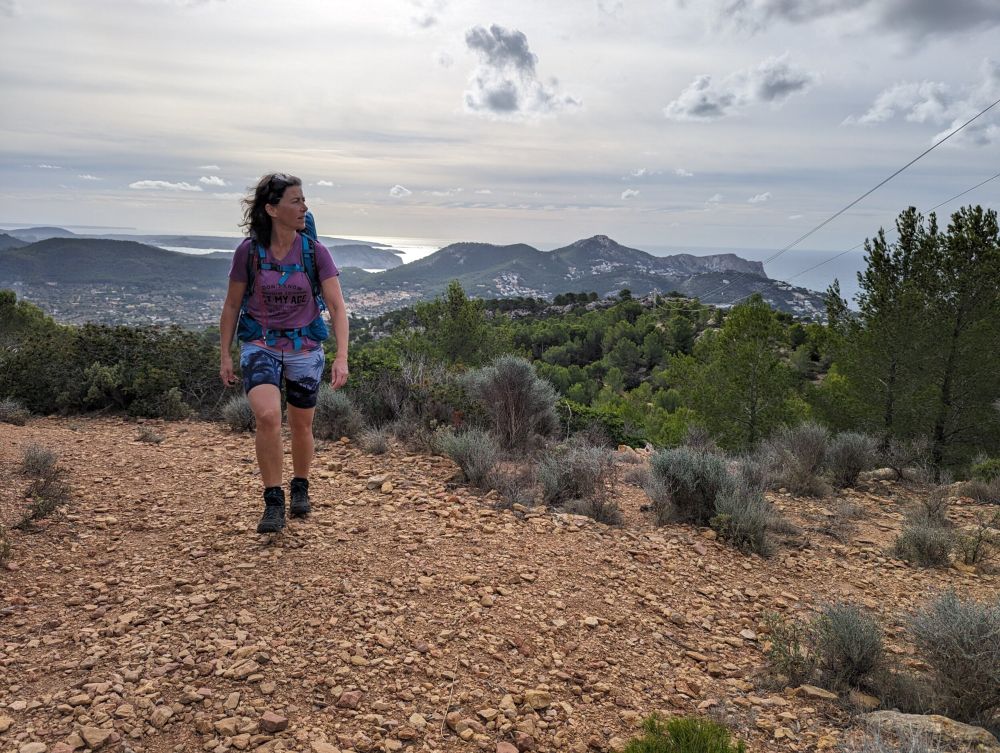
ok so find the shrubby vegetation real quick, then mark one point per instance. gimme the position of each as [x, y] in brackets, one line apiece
[684, 734]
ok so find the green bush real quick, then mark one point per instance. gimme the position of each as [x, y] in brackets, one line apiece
[474, 450]
[684, 735]
[986, 470]
[849, 644]
[693, 480]
[518, 402]
[6, 548]
[335, 415]
[924, 544]
[12, 412]
[149, 435]
[45, 495]
[238, 414]
[577, 418]
[960, 640]
[848, 454]
[743, 517]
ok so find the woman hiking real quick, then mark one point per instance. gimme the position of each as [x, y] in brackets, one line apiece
[278, 283]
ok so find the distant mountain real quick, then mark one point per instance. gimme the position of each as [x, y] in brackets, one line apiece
[346, 252]
[9, 241]
[78, 278]
[593, 264]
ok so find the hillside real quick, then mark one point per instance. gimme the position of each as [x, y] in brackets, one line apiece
[598, 264]
[407, 613]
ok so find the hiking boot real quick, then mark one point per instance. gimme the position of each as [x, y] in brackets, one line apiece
[273, 519]
[300, 498]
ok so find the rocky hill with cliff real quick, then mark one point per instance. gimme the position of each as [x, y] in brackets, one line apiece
[408, 613]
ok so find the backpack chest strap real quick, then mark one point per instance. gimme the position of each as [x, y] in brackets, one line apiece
[285, 269]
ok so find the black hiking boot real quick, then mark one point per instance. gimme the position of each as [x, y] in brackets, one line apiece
[273, 519]
[300, 498]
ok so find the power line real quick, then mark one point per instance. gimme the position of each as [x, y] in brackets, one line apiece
[835, 256]
[864, 195]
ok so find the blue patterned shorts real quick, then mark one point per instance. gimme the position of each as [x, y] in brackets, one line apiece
[302, 372]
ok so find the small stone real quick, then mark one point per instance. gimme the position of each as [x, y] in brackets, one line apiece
[95, 737]
[349, 699]
[749, 635]
[418, 721]
[591, 622]
[33, 748]
[227, 727]
[272, 722]
[505, 747]
[5, 723]
[863, 700]
[524, 741]
[699, 548]
[811, 691]
[387, 487]
[160, 716]
[375, 482]
[319, 746]
[617, 744]
[538, 699]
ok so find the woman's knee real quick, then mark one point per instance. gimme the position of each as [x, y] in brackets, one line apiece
[300, 420]
[268, 419]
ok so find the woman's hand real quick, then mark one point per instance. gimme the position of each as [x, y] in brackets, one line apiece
[226, 370]
[338, 374]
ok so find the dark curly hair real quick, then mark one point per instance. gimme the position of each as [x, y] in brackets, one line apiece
[268, 190]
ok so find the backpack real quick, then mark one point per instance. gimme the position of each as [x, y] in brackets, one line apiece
[248, 329]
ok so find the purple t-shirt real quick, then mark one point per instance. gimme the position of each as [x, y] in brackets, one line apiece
[283, 306]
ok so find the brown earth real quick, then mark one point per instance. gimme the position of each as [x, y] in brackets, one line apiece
[148, 615]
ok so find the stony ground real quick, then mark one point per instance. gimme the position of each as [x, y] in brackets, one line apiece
[406, 614]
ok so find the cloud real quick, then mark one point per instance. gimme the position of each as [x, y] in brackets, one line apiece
[209, 167]
[505, 84]
[325, 183]
[629, 193]
[447, 192]
[941, 105]
[484, 191]
[88, 176]
[9, 8]
[50, 167]
[162, 185]
[773, 81]
[714, 198]
[795, 216]
[639, 172]
[683, 173]
[917, 20]
[398, 191]
[760, 198]
[226, 195]
[212, 180]
[611, 7]
[428, 12]
[444, 59]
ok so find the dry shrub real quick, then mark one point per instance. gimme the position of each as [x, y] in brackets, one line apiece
[149, 435]
[38, 461]
[516, 486]
[983, 492]
[924, 544]
[374, 441]
[848, 454]
[238, 414]
[960, 640]
[519, 403]
[6, 548]
[45, 495]
[790, 651]
[692, 481]
[933, 508]
[335, 415]
[574, 471]
[743, 518]
[849, 644]
[906, 455]
[474, 451]
[12, 412]
[796, 455]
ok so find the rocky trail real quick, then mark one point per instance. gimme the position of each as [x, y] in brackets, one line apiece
[405, 614]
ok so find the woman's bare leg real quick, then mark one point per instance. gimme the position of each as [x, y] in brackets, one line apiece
[265, 400]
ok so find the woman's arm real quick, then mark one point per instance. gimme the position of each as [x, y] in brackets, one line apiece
[227, 328]
[334, 298]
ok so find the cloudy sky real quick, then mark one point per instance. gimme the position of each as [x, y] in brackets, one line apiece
[674, 123]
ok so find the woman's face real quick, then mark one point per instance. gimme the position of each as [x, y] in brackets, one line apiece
[290, 211]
